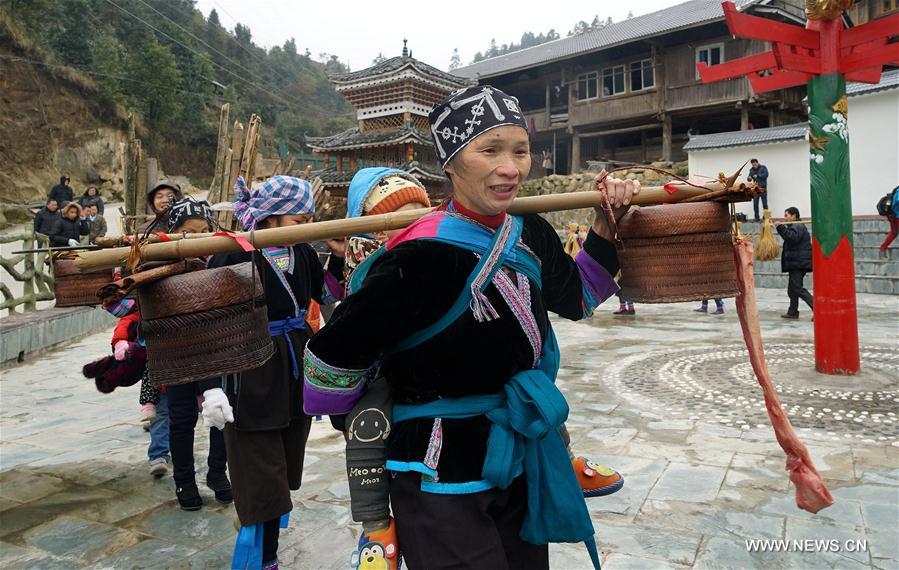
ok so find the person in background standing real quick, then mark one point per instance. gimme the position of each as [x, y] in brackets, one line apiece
[759, 174]
[96, 222]
[889, 206]
[159, 199]
[704, 307]
[625, 307]
[92, 196]
[796, 260]
[62, 192]
[44, 218]
[68, 229]
[548, 162]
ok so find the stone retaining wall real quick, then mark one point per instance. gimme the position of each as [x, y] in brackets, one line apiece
[24, 336]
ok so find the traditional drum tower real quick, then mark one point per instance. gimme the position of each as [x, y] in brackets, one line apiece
[392, 100]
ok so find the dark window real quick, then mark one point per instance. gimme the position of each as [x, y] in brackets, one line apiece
[613, 80]
[586, 86]
[642, 75]
[711, 54]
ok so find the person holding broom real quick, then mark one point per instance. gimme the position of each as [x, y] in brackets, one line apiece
[796, 260]
[481, 475]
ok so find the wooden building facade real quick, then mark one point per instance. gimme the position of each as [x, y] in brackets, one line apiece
[630, 92]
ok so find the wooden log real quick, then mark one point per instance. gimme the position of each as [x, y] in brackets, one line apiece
[197, 247]
[141, 198]
[215, 187]
[152, 172]
[133, 198]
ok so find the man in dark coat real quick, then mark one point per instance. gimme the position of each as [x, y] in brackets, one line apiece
[43, 220]
[759, 174]
[62, 192]
[68, 229]
[796, 260]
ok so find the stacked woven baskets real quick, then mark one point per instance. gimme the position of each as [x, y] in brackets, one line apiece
[204, 324]
[677, 252]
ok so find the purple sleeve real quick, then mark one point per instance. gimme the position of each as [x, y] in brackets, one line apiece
[597, 283]
[336, 291]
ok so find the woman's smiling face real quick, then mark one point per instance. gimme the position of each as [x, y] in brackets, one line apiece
[487, 173]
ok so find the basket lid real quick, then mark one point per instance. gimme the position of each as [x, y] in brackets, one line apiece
[200, 291]
[675, 219]
[68, 267]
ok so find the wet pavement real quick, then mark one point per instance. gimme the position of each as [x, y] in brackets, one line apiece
[666, 397]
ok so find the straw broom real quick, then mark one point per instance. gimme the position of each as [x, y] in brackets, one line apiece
[767, 247]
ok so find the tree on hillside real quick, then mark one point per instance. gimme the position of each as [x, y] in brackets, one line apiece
[492, 51]
[579, 28]
[156, 68]
[108, 56]
[455, 60]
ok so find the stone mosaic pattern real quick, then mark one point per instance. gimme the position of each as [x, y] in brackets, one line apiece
[75, 491]
[717, 384]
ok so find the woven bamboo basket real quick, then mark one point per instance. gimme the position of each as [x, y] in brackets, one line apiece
[677, 252]
[204, 324]
[73, 287]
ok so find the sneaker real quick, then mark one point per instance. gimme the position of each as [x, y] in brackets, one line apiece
[702, 309]
[790, 316]
[159, 467]
[378, 550]
[621, 311]
[631, 310]
[273, 565]
[719, 311]
[596, 480]
[221, 486]
[189, 498]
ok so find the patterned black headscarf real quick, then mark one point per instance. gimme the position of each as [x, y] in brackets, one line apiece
[189, 208]
[466, 113]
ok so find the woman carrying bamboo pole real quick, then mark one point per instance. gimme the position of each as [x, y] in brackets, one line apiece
[482, 477]
[265, 437]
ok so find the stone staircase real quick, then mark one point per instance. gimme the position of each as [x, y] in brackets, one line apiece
[873, 274]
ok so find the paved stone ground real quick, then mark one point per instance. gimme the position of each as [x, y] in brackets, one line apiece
[665, 397]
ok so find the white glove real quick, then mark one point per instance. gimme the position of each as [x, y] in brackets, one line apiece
[216, 409]
[120, 349]
[74, 243]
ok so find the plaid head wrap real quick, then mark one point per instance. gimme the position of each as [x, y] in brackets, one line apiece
[467, 113]
[189, 208]
[279, 196]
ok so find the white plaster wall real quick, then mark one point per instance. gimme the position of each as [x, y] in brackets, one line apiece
[873, 148]
[788, 175]
[873, 159]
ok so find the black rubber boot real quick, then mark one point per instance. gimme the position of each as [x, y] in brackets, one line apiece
[189, 498]
[221, 486]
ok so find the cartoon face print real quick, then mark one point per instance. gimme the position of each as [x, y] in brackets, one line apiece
[370, 425]
[372, 557]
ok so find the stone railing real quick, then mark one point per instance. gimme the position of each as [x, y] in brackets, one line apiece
[34, 274]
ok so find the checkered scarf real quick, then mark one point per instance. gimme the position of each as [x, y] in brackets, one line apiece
[279, 196]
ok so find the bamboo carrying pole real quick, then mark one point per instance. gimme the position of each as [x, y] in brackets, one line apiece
[183, 248]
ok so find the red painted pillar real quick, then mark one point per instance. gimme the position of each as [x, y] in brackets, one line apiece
[836, 319]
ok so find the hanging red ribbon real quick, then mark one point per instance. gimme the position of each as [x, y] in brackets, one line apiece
[239, 239]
